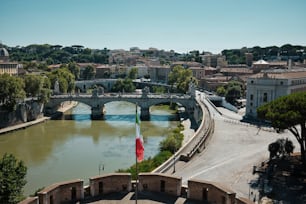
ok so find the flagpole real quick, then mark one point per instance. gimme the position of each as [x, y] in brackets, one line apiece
[136, 191]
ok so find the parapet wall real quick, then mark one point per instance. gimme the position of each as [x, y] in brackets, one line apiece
[73, 191]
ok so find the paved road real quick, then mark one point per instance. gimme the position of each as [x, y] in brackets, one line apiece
[231, 153]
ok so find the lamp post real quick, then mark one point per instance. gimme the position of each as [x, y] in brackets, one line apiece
[174, 155]
[173, 163]
[101, 167]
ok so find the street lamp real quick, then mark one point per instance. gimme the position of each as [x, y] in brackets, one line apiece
[101, 167]
[174, 155]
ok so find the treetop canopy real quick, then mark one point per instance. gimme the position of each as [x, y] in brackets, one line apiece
[286, 111]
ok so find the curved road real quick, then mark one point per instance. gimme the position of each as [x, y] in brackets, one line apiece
[231, 153]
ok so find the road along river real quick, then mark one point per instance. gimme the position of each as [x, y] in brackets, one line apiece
[59, 150]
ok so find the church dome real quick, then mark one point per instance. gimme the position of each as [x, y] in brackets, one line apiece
[4, 52]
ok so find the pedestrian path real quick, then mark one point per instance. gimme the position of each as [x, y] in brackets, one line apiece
[23, 125]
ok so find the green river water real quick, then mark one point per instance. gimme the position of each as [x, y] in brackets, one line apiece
[61, 150]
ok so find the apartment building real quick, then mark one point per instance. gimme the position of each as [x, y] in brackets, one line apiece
[268, 85]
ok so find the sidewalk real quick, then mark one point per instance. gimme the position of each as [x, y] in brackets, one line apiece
[23, 125]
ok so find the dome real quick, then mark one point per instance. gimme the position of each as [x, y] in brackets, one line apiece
[4, 52]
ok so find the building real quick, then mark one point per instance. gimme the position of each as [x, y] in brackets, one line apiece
[197, 72]
[260, 65]
[212, 60]
[271, 84]
[6, 66]
[159, 73]
[249, 59]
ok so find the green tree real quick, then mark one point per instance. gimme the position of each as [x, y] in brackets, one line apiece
[12, 179]
[11, 91]
[221, 91]
[74, 69]
[64, 77]
[233, 91]
[159, 89]
[33, 85]
[133, 73]
[124, 85]
[280, 148]
[45, 92]
[89, 72]
[288, 112]
[181, 77]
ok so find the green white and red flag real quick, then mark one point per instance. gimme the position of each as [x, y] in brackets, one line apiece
[139, 140]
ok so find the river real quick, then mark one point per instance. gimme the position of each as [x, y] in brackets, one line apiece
[60, 150]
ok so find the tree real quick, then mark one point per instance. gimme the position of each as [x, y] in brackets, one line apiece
[12, 179]
[11, 91]
[133, 73]
[74, 69]
[64, 77]
[124, 85]
[89, 72]
[280, 148]
[288, 112]
[233, 91]
[33, 85]
[181, 77]
[221, 91]
[159, 89]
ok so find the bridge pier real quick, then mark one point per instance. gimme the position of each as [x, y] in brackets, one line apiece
[145, 113]
[97, 112]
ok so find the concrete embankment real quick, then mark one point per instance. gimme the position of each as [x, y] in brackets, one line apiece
[62, 109]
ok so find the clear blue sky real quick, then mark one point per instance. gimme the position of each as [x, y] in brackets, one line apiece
[181, 25]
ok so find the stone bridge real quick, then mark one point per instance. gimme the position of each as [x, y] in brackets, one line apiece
[144, 101]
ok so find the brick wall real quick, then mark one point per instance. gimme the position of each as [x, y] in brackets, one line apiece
[62, 192]
[209, 191]
[110, 183]
[160, 183]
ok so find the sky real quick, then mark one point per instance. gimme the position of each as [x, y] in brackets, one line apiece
[180, 25]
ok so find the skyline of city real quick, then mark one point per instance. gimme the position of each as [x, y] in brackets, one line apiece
[170, 25]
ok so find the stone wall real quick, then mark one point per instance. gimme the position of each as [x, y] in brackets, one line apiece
[110, 183]
[25, 112]
[62, 192]
[198, 190]
[160, 183]
[211, 192]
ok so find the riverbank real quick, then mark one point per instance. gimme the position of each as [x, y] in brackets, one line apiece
[62, 109]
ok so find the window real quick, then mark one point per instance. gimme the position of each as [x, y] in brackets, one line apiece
[73, 193]
[251, 96]
[265, 97]
[205, 194]
[51, 199]
[100, 188]
[223, 199]
[162, 186]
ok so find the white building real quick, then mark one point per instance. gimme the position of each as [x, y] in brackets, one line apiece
[6, 66]
[269, 85]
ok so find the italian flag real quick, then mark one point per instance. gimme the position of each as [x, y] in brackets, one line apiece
[139, 141]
